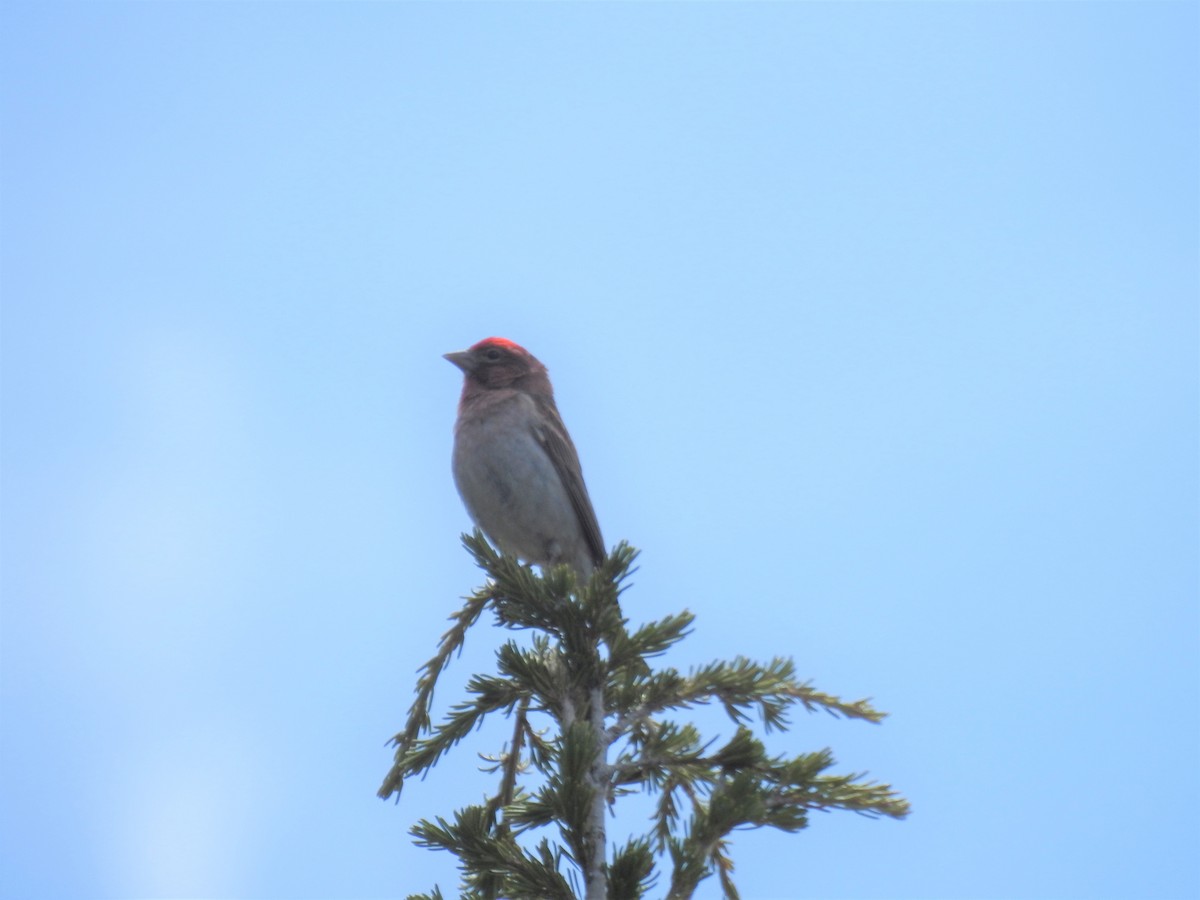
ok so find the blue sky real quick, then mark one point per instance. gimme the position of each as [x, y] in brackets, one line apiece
[875, 325]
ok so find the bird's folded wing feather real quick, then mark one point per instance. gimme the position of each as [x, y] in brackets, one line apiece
[557, 444]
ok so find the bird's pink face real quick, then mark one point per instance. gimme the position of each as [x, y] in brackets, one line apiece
[496, 362]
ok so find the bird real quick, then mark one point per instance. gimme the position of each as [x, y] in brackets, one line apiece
[514, 464]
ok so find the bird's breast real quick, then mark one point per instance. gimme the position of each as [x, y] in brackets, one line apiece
[509, 483]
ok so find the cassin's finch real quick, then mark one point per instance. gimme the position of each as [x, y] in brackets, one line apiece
[514, 464]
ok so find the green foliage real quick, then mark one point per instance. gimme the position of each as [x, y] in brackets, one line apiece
[590, 679]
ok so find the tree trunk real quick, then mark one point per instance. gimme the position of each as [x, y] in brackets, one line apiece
[595, 872]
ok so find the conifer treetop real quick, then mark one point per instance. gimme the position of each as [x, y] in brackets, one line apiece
[591, 721]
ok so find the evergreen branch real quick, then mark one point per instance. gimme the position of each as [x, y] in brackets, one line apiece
[522, 599]
[673, 756]
[600, 597]
[666, 739]
[419, 713]
[541, 751]
[743, 683]
[867, 798]
[738, 686]
[542, 669]
[667, 813]
[565, 797]
[639, 698]
[571, 787]
[493, 695]
[631, 872]
[814, 700]
[532, 812]
[733, 802]
[510, 765]
[650, 640]
[492, 863]
[766, 792]
[724, 866]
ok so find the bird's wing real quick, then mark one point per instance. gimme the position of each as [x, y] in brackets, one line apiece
[557, 443]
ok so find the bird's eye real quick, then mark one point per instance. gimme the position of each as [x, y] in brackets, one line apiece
[493, 354]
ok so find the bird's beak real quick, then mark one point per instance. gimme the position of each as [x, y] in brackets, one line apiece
[461, 358]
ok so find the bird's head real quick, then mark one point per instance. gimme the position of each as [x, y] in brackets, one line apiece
[499, 363]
